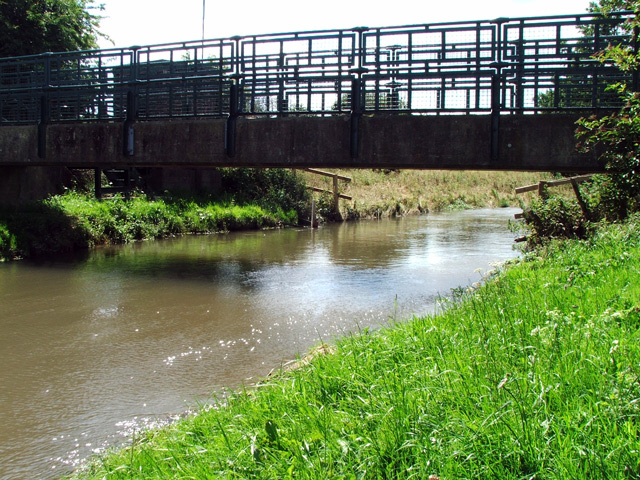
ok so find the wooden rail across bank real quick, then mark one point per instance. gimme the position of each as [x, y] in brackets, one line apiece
[540, 186]
[336, 192]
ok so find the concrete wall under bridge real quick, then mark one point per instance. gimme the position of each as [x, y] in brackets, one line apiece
[461, 142]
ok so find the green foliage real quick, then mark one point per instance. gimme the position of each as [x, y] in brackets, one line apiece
[617, 136]
[30, 27]
[38, 229]
[8, 245]
[554, 216]
[253, 199]
[616, 140]
[273, 189]
[324, 206]
[75, 221]
[533, 375]
[608, 6]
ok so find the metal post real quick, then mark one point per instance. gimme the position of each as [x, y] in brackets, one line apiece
[128, 143]
[234, 100]
[282, 105]
[45, 109]
[357, 96]
[520, 68]
[230, 126]
[496, 88]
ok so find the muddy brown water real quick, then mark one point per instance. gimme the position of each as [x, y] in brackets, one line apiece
[96, 347]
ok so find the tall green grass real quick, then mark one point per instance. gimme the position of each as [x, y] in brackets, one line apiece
[534, 375]
[119, 220]
[73, 221]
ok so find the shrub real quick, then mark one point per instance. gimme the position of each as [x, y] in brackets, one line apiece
[272, 189]
[554, 217]
[614, 138]
[8, 246]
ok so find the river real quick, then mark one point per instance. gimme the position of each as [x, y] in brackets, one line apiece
[97, 346]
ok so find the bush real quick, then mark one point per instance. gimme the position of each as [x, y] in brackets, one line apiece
[554, 217]
[272, 189]
[8, 246]
[37, 229]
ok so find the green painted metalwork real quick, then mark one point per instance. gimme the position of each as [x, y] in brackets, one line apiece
[525, 65]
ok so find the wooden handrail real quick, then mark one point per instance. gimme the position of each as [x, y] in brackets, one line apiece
[553, 183]
[573, 181]
[321, 190]
[328, 174]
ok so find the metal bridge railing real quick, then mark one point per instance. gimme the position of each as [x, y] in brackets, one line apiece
[506, 66]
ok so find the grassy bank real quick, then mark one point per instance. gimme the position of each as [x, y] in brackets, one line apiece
[534, 375]
[380, 193]
[75, 221]
[255, 199]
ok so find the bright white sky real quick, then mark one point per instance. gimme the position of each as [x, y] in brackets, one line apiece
[145, 22]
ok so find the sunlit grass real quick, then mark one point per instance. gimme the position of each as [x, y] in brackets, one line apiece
[378, 193]
[535, 375]
[73, 221]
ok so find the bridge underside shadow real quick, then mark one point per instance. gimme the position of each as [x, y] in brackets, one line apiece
[468, 142]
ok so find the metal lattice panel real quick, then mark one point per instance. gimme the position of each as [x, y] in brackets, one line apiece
[513, 65]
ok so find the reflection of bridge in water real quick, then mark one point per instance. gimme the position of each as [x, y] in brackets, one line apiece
[458, 95]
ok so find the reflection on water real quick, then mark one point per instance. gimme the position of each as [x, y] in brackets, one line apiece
[96, 347]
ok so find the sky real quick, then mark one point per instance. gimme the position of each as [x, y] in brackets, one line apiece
[147, 22]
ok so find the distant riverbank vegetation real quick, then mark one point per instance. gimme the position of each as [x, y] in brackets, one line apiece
[388, 193]
[248, 199]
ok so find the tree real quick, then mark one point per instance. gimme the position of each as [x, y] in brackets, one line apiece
[608, 6]
[30, 27]
[575, 90]
[617, 137]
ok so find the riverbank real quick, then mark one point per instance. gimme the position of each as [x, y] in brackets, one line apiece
[264, 199]
[388, 193]
[532, 375]
[76, 221]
